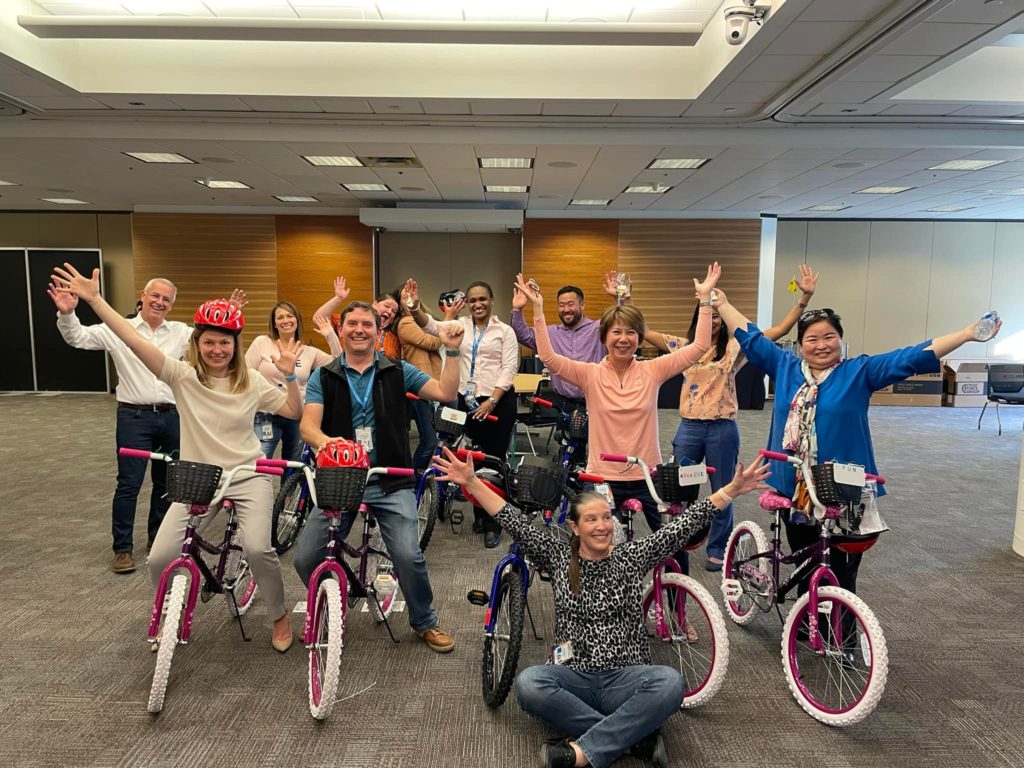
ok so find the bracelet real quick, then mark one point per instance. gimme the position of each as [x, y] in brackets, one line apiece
[291, 377]
[703, 303]
[802, 305]
[452, 353]
[725, 496]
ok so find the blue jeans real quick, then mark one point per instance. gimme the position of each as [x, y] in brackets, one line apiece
[605, 712]
[717, 442]
[637, 489]
[396, 515]
[282, 430]
[147, 430]
[423, 414]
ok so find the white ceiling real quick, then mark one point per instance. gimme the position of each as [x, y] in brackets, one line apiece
[824, 83]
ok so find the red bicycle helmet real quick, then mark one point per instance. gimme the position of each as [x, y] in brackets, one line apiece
[343, 453]
[220, 315]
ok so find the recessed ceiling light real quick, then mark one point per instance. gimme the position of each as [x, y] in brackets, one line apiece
[848, 165]
[63, 201]
[848, 110]
[413, 189]
[770, 197]
[223, 160]
[505, 162]
[838, 207]
[367, 187]
[506, 188]
[60, 190]
[9, 184]
[882, 190]
[965, 165]
[948, 208]
[562, 164]
[670, 162]
[589, 202]
[646, 189]
[296, 199]
[222, 184]
[333, 160]
[729, 109]
[159, 157]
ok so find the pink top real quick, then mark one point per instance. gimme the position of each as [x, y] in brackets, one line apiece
[263, 352]
[623, 415]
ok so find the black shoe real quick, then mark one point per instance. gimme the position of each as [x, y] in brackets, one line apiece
[559, 755]
[492, 539]
[651, 750]
[478, 526]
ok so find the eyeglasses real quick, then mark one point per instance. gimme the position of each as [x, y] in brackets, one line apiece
[160, 297]
[819, 314]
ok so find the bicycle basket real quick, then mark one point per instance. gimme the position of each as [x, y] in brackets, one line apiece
[539, 483]
[666, 483]
[450, 430]
[829, 492]
[577, 428]
[340, 488]
[189, 482]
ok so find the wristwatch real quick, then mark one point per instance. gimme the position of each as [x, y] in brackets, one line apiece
[452, 353]
[705, 303]
[493, 401]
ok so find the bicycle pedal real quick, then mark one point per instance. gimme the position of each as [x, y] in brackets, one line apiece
[478, 597]
[732, 589]
[457, 517]
[543, 575]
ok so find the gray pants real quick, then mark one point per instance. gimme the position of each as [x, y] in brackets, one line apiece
[253, 497]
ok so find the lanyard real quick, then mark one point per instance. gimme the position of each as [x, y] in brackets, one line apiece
[361, 401]
[476, 346]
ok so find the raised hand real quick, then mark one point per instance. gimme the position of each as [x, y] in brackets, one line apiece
[719, 298]
[289, 353]
[611, 285]
[238, 299]
[519, 300]
[703, 289]
[748, 479]
[455, 470]
[340, 288]
[524, 286]
[450, 335]
[452, 313]
[323, 327]
[411, 291]
[67, 279]
[808, 281]
[65, 302]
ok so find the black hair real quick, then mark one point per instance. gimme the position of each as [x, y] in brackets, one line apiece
[723, 335]
[481, 284]
[570, 289]
[812, 316]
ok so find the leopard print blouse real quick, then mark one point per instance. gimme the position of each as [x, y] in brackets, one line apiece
[605, 620]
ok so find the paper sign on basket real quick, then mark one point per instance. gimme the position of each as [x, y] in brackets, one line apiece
[693, 474]
[453, 415]
[848, 474]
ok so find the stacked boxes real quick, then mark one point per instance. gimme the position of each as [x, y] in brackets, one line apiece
[965, 383]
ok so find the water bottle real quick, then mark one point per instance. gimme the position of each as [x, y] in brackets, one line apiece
[621, 286]
[985, 328]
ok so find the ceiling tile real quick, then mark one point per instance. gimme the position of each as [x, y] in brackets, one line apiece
[935, 38]
[446, 106]
[851, 93]
[506, 106]
[978, 12]
[887, 69]
[921, 108]
[844, 10]
[770, 68]
[204, 103]
[396, 106]
[66, 102]
[817, 37]
[135, 101]
[342, 105]
[847, 110]
[650, 108]
[282, 104]
[578, 107]
[988, 110]
[747, 92]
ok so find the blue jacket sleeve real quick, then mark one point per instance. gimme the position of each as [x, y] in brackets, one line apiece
[890, 367]
[759, 350]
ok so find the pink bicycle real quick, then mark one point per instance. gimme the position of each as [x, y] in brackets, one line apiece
[170, 624]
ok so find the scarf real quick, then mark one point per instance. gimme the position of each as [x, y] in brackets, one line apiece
[800, 435]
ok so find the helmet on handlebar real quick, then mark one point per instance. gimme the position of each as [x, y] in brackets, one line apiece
[219, 315]
[343, 453]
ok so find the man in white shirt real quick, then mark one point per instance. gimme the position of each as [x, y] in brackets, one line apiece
[146, 414]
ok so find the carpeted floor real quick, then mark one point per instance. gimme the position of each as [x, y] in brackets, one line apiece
[75, 669]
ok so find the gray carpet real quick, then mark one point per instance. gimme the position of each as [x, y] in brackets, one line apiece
[75, 669]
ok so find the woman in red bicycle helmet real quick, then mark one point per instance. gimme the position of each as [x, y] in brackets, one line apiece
[217, 396]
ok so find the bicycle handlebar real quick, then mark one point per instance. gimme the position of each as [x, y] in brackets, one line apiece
[411, 396]
[619, 457]
[776, 456]
[462, 453]
[135, 453]
[542, 401]
[586, 477]
[266, 469]
[282, 463]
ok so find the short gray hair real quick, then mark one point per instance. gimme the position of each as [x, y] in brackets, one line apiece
[162, 280]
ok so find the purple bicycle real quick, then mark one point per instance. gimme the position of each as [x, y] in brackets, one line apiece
[170, 624]
[833, 650]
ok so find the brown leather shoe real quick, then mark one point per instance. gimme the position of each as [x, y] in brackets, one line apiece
[438, 640]
[122, 562]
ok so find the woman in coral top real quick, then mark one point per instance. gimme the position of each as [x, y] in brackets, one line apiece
[621, 391]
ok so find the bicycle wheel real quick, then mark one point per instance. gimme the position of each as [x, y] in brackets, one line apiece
[746, 540]
[291, 505]
[501, 650]
[843, 684]
[325, 653]
[698, 644]
[427, 508]
[239, 584]
[174, 609]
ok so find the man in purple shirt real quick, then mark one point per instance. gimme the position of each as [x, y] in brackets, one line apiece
[576, 337]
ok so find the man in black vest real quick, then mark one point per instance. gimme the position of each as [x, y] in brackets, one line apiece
[361, 396]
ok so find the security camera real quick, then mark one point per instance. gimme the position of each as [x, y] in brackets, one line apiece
[738, 18]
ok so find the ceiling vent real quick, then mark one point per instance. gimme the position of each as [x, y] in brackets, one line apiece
[391, 162]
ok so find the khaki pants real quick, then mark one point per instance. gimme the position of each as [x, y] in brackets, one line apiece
[253, 498]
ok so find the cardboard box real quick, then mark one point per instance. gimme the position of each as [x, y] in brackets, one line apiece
[965, 382]
[922, 390]
[963, 401]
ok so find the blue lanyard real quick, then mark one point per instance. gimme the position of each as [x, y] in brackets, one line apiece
[361, 401]
[476, 345]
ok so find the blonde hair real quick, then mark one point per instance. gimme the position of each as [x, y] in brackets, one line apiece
[238, 371]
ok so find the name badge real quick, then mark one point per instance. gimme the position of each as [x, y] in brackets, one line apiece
[562, 653]
[454, 415]
[693, 474]
[848, 474]
[267, 430]
[364, 436]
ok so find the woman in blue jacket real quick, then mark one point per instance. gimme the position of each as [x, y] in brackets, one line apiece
[821, 403]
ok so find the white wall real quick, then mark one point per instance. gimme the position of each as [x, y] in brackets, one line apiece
[895, 283]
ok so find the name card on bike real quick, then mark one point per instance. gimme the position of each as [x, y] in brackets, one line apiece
[848, 474]
[453, 415]
[693, 474]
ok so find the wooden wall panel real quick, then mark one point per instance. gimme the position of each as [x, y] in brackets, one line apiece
[664, 256]
[207, 256]
[312, 251]
[559, 252]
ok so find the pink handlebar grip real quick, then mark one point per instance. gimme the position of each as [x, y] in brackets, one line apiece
[774, 455]
[271, 463]
[877, 478]
[266, 469]
[620, 457]
[586, 477]
[134, 453]
[462, 453]
[411, 396]
[490, 417]
[711, 471]
[542, 401]
[400, 472]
